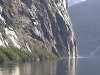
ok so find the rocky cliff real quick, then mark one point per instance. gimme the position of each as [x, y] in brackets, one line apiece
[30, 24]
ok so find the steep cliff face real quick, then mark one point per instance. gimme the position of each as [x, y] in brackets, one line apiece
[29, 24]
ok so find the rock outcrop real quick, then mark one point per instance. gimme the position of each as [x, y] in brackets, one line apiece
[27, 24]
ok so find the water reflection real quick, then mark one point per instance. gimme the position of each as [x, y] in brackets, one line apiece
[55, 67]
[66, 67]
[9, 69]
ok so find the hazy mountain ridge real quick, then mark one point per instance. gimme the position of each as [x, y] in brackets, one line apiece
[85, 18]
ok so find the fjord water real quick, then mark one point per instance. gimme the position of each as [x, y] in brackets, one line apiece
[81, 66]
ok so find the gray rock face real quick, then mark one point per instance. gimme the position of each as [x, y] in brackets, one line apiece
[39, 23]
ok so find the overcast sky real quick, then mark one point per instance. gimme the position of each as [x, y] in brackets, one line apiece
[73, 2]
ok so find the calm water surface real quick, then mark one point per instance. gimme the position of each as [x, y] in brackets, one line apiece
[82, 66]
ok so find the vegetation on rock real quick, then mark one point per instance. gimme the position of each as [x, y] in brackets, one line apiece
[14, 54]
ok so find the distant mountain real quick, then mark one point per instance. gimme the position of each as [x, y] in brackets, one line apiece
[86, 22]
[73, 2]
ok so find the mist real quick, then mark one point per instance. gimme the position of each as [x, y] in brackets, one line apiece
[85, 18]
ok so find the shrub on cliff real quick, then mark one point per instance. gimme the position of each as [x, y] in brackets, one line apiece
[16, 55]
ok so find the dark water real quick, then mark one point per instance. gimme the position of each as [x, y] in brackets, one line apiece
[82, 66]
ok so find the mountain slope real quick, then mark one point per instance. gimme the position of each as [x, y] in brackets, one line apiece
[85, 18]
[31, 24]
